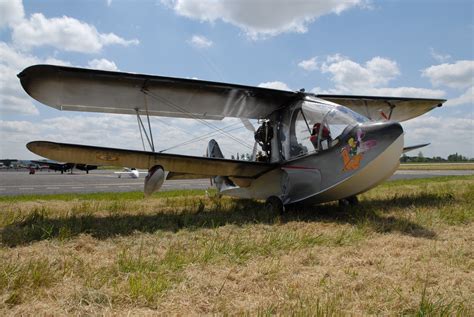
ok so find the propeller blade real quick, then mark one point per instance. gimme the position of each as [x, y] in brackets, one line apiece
[248, 124]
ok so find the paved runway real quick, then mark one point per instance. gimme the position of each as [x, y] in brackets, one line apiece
[44, 182]
[48, 182]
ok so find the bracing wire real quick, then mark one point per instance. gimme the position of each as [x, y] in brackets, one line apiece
[208, 124]
[202, 137]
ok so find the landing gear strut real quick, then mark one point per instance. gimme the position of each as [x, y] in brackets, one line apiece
[349, 201]
[274, 205]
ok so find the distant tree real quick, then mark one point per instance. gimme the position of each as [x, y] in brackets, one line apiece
[404, 158]
[457, 158]
[232, 157]
[421, 157]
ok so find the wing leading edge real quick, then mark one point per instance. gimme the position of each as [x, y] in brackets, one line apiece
[182, 164]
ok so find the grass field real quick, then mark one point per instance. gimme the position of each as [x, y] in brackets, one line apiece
[437, 166]
[407, 249]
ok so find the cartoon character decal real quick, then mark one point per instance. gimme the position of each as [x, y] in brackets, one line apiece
[352, 153]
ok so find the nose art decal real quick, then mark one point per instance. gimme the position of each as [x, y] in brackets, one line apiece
[352, 153]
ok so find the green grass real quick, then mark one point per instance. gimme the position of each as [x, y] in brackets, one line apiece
[103, 196]
[185, 253]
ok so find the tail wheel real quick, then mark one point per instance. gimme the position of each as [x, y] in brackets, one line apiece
[274, 205]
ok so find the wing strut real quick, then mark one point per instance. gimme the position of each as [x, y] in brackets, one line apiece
[148, 119]
[141, 127]
[139, 121]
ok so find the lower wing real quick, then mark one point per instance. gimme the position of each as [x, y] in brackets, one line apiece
[180, 164]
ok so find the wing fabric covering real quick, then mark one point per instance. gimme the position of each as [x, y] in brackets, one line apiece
[78, 89]
[384, 108]
[181, 164]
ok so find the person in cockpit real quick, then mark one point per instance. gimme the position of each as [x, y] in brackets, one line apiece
[325, 139]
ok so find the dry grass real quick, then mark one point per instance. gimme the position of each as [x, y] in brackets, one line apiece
[407, 249]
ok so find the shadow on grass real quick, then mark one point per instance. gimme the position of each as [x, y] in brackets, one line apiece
[39, 226]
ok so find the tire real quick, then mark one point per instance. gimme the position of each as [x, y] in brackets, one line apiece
[353, 200]
[274, 205]
[349, 201]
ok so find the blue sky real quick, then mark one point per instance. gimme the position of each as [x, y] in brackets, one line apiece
[397, 48]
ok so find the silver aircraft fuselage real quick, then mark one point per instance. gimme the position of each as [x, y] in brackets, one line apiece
[359, 158]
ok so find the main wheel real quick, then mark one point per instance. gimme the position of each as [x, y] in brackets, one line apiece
[349, 201]
[274, 205]
[353, 200]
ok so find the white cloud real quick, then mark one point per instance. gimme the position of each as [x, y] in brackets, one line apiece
[109, 3]
[440, 58]
[200, 41]
[457, 75]
[102, 64]
[309, 64]
[446, 134]
[261, 18]
[13, 100]
[64, 33]
[120, 131]
[349, 75]
[275, 85]
[466, 98]
[11, 12]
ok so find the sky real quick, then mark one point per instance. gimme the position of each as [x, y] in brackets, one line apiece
[403, 48]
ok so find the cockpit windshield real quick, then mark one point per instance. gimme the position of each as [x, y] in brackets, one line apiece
[316, 126]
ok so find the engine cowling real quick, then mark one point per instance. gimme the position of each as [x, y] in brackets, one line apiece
[154, 180]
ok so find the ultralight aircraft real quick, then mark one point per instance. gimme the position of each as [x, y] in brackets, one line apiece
[314, 148]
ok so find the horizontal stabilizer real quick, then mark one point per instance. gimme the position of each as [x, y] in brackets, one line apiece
[414, 147]
[205, 166]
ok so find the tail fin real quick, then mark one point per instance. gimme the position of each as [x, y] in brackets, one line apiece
[221, 182]
[213, 150]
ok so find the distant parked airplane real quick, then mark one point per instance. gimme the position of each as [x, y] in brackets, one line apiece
[131, 172]
[64, 167]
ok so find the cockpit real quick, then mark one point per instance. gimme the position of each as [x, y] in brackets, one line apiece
[313, 125]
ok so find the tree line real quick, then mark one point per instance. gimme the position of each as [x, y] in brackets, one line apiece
[420, 158]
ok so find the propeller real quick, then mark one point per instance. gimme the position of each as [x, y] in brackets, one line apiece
[249, 126]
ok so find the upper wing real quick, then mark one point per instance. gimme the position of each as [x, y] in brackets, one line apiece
[171, 162]
[384, 108]
[414, 147]
[77, 89]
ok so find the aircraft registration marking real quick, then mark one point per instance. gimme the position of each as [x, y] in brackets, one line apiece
[107, 157]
